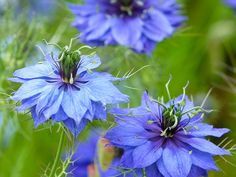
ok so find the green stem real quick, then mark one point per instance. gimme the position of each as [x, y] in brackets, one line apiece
[57, 158]
[144, 172]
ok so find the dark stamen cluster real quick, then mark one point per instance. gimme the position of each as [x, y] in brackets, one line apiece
[170, 119]
[127, 7]
[69, 64]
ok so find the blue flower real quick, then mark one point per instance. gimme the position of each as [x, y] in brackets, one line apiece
[231, 3]
[137, 24]
[85, 161]
[65, 89]
[167, 137]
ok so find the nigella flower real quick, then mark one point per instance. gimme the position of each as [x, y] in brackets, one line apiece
[137, 24]
[231, 3]
[65, 89]
[84, 162]
[170, 138]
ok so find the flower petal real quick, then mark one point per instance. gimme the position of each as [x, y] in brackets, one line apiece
[197, 172]
[162, 168]
[102, 90]
[88, 63]
[204, 146]
[75, 103]
[201, 130]
[203, 160]
[30, 89]
[176, 160]
[74, 127]
[127, 31]
[126, 136]
[35, 71]
[147, 154]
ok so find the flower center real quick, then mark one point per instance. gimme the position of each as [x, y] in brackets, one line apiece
[128, 7]
[69, 64]
[170, 120]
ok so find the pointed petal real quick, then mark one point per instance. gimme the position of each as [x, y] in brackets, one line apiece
[203, 160]
[29, 89]
[126, 135]
[74, 127]
[88, 63]
[75, 104]
[35, 71]
[54, 107]
[201, 130]
[38, 119]
[204, 146]
[102, 90]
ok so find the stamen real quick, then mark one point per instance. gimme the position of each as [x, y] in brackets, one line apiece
[71, 81]
[167, 87]
[175, 123]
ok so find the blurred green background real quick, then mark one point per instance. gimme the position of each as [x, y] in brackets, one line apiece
[202, 52]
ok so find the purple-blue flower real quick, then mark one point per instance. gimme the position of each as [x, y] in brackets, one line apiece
[170, 137]
[231, 3]
[84, 162]
[137, 24]
[64, 88]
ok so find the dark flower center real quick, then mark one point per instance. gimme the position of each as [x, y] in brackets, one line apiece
[170, 119]
[126, 7]
[69, 64]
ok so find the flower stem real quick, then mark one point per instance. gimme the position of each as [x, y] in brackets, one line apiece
[57, 158]
[144, 172]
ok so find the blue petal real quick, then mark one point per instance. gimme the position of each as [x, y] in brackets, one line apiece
[38, 119]
[35, 71]
[102, 90]
[177, 160]
[60, 115]
[54, 106]
[75, 103]
[157, 27]
[30, 89]
[204, 146]
[43, 102]
[147, 154]
[197, 172]
[88, 62]
[152, 171]
[162, 168]
[97, 111]
[151, 106]
[100, 111]
[74, 127]
[127, 158]
[126, 135]
[201, 130]
[203, 160]
[126, 31]
[28, 103]
[98, 24]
